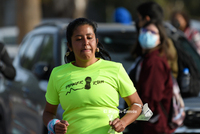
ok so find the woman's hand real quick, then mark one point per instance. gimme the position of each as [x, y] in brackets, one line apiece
[61, 127]
[118, 125]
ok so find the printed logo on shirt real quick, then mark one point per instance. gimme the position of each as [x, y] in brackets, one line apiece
[87, 86]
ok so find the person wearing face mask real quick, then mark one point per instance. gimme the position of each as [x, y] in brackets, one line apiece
[153, 12]
[153, 78]
[150, 12]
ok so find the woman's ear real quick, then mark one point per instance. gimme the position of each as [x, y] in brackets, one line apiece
[158, 41]
[68, 45]
[147, 18]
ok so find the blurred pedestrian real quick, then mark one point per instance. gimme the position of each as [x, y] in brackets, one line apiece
[153, 78]
[6, 67]
[153, 12]
[149, 11]
[88, 87]
[182, 21]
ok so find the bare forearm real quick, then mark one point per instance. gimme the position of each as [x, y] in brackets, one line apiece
[47, 117]
[49, 113]
[135, 107]
[131, 115]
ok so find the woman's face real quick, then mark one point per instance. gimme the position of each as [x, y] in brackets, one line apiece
[149, 37]
[84, 43]
[154, 30]
[141, 21]
[181, 21]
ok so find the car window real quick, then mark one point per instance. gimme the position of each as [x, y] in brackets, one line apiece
[23, 46]
[10, 40]
[117, 41]
[63, 49]
[189, 49]
[40, 49]
[31, 52]
[46, 53]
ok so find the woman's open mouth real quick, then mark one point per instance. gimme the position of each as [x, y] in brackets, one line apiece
[86, 50]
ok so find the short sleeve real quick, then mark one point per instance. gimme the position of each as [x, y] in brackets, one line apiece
[126, 87]
[52, 94]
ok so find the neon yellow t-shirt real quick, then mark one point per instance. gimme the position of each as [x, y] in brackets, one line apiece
[89, 96]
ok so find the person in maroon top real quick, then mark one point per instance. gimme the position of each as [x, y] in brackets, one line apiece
[152, 78]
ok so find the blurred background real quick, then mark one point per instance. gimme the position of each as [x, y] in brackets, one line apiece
[18, 17]
[23, 15]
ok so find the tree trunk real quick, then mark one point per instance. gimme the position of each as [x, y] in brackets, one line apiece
[70, 8]
[28, 16]
[80, 8]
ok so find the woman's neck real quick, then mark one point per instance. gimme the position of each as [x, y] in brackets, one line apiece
[84, 64]
[145, 51]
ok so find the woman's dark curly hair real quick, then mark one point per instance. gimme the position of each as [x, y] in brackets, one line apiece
[69, 32]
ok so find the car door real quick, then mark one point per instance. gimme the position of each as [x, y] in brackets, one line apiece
[29, 87]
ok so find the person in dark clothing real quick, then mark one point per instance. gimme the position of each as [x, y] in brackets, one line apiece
[149, 11]
[153, 12]
[6, 67]
[154, 81]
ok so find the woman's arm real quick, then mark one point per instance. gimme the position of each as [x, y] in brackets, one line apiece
[49, 114]
[134, 111]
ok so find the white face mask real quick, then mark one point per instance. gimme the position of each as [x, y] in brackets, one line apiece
[147, 40]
